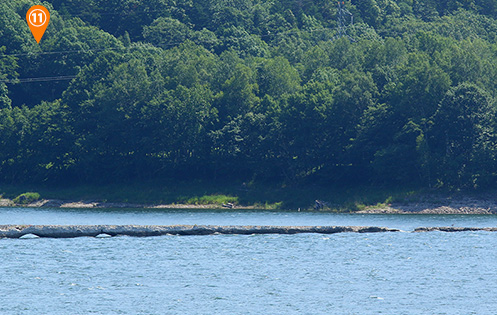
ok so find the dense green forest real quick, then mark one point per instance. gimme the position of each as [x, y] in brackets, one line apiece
[251, 90]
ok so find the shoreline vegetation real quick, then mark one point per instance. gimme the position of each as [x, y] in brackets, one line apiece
[361, 200]
[265, 91]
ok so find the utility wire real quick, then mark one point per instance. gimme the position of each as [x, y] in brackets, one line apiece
[63, 78]
[170, 44]
[79, 51]
[40, 79]
[76, 51]
[133, 12]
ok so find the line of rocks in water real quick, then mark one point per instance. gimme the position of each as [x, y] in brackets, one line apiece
[71, 231]
[455, 229]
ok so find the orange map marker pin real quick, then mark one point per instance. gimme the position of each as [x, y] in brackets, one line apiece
[38, 18]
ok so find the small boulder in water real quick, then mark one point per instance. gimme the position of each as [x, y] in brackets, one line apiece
[29, 236]
[103, 235]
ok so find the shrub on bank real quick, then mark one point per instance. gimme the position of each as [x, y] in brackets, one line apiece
[210, 200]
[27, 198]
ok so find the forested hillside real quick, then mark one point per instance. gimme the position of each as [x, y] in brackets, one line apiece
[251, 90]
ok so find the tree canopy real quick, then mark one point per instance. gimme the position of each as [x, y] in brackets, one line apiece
[251, 90]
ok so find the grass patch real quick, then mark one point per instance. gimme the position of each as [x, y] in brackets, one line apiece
[210, 200]
[26, 198]
[360, 206]
[269, 206]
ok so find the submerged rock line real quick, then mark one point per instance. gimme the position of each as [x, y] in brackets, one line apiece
[70, 231]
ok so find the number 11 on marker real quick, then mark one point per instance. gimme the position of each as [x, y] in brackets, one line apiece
[34, 14]
[38, 18]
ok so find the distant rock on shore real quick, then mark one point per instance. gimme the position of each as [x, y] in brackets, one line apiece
[6, 203]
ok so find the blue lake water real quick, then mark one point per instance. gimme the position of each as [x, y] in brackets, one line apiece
[232, 217]
[385, 273]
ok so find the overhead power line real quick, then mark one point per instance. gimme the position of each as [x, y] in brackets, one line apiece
[170, 44]
[57, 52]
[40, 79]
[342, 26]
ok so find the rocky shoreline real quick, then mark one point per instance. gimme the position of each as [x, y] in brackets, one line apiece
[88, 204]
[434, 205]
[438, 205]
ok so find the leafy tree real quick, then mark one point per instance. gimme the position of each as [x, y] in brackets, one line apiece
[239, 92]
[314, 59]
[5, 101]
[207, 39]
[402, 159]
[242, 148]
[487, 7]
[370, 11]
[46, 144]
[463, 137]
[277, 78]
[108, 123]
[305, 131]
[245, 44]
[187, 65]
[166, 32]
[418, 89]
[15, 35]
[13, 125]
[7, 66]
[178, 122]
[289, 45]
[426, 10]
[345, 55]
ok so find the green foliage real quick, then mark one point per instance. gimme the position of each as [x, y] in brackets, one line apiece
[463, 137]
[166, 32]
[278, 78]
[250, 89]
[26, 198]
[210, 200]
